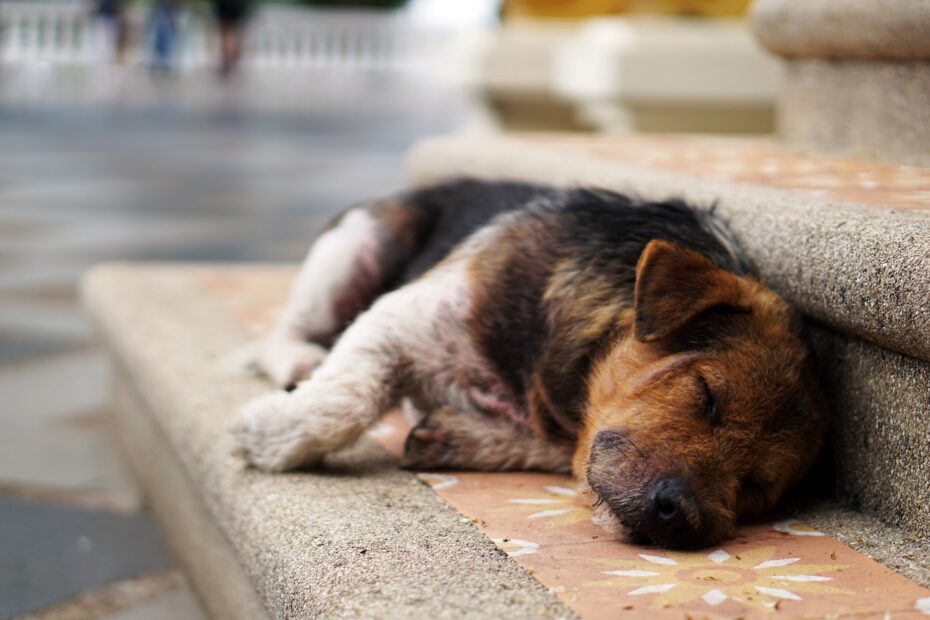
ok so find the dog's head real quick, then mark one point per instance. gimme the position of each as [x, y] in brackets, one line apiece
[707, 410]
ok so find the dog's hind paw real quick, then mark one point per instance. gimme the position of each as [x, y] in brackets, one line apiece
[423, 449]
[435, 441]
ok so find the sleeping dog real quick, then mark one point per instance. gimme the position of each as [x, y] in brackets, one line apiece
[547, 329]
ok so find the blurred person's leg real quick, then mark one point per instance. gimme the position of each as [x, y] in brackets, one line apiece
[164, 35]
[121, 36]
[230, 48]
[231, 16]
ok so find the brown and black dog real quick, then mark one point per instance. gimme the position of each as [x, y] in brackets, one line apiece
[538, 328]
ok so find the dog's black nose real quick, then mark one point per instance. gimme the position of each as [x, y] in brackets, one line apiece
[668, 498]
[671, 512]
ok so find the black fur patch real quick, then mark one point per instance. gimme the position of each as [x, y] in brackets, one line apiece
[600, 233]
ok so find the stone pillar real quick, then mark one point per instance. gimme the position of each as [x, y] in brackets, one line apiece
[857, 76]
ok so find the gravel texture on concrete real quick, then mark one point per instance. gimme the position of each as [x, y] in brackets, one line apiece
[875, 108]
[890, 29]
[860, 270]
[359, 540]
[881, 429]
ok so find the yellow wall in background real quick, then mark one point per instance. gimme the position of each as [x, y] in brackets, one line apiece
[567, 9]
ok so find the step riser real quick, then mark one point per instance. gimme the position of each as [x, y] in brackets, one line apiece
[880, 437]
[210, 562]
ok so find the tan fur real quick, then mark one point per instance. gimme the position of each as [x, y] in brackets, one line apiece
[740, 467]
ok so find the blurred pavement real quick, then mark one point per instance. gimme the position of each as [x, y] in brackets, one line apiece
[121, 166]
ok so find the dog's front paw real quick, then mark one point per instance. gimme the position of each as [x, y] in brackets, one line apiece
[287, 362]
[272, 438]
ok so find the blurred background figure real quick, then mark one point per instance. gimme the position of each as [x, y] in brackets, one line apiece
[163, 27]
[111, 30]
[231, 16]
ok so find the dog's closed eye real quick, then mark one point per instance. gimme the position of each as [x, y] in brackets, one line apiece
[711, 410]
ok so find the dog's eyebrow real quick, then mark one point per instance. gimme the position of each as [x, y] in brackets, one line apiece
[664, 369]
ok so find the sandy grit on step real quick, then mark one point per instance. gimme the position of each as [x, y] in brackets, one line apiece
[541, 522]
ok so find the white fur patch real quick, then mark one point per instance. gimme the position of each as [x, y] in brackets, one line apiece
[286, 356]
[357, 382]
[327, 270]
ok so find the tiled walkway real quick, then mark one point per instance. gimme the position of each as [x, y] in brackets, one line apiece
[82, 183]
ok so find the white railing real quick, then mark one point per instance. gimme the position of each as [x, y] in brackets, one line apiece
[47, 31]
[284, 36]
[64, 32]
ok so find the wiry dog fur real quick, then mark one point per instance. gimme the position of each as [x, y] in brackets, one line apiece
[549, 329]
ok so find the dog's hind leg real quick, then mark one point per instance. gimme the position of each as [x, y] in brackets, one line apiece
[451, 439]
[356, 258]
[366, 373]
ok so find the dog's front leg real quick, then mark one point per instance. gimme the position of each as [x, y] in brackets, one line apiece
[340, 266]
[348, 266]
[358, 381]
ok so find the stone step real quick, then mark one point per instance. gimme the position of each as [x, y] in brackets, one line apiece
[848, 242]
[360, 540]
[363, 539]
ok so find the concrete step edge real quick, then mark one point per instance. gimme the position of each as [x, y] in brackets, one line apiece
[368, 541]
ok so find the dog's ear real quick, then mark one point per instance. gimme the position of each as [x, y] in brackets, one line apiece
[674, 285]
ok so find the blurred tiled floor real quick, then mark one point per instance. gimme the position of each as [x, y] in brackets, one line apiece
[83, 182]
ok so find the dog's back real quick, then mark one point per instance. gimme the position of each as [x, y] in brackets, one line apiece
[456, 209]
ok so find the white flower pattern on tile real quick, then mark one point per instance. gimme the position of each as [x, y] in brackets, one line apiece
[923, 606]
[562, 503]
[677, 578]
[438, 481]
[515, 547]
[795, 528]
